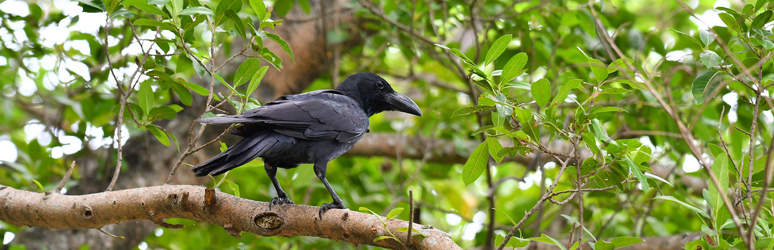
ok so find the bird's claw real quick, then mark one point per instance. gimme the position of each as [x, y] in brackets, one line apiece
[334, 205]
[280, 201]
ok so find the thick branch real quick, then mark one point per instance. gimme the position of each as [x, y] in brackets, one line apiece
[234, 214]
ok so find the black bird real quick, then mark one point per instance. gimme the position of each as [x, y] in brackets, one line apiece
[313, 127]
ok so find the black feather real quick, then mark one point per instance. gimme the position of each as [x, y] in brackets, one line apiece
[313, 127]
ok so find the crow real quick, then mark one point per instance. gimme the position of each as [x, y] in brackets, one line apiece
[314, 127]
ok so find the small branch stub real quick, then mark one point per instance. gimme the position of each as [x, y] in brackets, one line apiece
[209, 196]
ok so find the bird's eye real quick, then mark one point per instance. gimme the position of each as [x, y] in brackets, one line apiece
[380, 85]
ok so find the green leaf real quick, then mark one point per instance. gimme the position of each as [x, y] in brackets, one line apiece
[174, 139]
[504, 109]
[591, 142]
[183, 93]
[122, 14]
[768, 45]
[761, 19]
[260, 9]
[511, 151]
[383, 237]
[494, 148]
[197, 89]
[281, 8]
[271, 58]
[174, 7]
[498, 239]
[541, 91]
[497, 48]
[470, 109]
[545, 238]
[607, 109]
[638, 173]
[196, 10]
[670, 198]
[282, 44]
[144, 6]
[246, 71]
[394, 212]
[598, 69]
[413, 229]
[304, 4]
[564, 90]
[600, 132]
[623, 241]
[710, 59]
[464, 58]
[159, 134]
[703, 86]
[162, 112]
[42, 190]
[476, 164]
[225, 83]
[256, 80]
[238, 24]
[603, 245]
[706, 37]
[513, 67]
[730, 21]
[657, 178]
[689, 37]
[233, 186]
[221, 12]
[145, 96]
[365, 209]
[154, 23]
[441, 46]
[715, 150]
[92, 6]
[618, 64]
[720, 169]
[760, 4]
[642, 156]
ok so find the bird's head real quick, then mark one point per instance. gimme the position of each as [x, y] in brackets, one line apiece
[376, 95]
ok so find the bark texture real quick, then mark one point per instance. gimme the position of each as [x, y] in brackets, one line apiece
[234, 214]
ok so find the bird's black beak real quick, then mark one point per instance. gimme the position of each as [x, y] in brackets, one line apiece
[403, 103]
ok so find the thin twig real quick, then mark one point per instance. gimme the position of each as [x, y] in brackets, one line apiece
[411, 216]
[122, 97]
[109, 234]
[725, 148]
[537, 205]
[64, 180]
[192, 139]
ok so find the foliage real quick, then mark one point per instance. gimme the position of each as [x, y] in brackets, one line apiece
[619, 102]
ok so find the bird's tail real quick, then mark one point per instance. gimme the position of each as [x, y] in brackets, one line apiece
[226, 119]
[237, 155]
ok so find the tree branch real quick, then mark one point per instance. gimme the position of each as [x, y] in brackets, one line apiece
[444, 151]
[234, 214]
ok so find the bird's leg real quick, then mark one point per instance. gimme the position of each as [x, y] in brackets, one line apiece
[319, 170]
[282, 197]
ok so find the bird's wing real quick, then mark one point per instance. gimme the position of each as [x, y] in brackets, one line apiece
[319, 115]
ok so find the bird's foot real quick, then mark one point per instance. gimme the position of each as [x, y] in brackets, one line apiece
[334, 205]
[280, 201]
